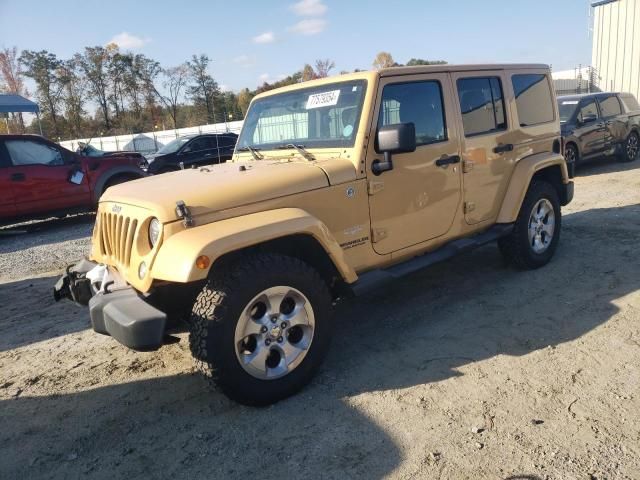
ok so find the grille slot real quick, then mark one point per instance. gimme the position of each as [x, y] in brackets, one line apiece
[116, 237]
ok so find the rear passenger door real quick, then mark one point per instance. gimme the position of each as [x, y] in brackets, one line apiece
[615, 127]
[7, 205]
[418, 199]
[197, 152]
[488, 143]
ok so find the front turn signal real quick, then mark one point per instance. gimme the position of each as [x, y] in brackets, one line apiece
[203, 262]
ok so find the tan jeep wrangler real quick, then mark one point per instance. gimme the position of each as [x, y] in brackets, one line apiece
[336, 186]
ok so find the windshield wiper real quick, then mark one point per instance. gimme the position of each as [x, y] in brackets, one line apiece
[300, 148]
[254, 152]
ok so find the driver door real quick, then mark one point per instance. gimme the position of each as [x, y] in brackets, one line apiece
[591, 134]
[417, 200]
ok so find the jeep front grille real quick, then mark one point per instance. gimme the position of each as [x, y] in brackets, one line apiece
[116, 236]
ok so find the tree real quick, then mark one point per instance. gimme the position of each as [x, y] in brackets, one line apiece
[420, 61]
[244, 99]
[43, 67]
[175, 80]
[74, 94]
[11, 76]
[384, 60]
[308, 73]
[95, 64]
[204, 89]
[323, 67]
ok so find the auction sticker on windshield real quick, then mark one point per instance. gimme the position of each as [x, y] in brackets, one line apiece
[570, 102]
[325, 99]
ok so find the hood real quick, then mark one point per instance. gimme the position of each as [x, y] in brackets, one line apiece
[224, 186]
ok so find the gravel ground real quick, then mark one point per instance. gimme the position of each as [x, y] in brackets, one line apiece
[467, 370]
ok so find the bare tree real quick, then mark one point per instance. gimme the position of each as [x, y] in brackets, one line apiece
[175, 79]
[384, 60]
[11, 76]
[323, 67]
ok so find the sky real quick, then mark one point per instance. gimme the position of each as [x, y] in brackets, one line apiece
[251, 41]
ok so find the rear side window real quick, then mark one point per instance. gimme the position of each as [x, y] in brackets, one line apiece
[533, 99]
[419, 103]
[630, 102]
[481, 105]
[610, 106]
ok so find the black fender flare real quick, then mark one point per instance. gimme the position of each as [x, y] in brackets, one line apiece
[113, 172]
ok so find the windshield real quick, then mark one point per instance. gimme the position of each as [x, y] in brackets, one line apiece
[567, 108]
[174, 145]
[326, 117]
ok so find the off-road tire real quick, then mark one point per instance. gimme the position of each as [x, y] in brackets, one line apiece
[516, 247]
[217, 311]
[624, 155]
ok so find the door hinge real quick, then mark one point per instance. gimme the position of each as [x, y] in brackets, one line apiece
[374, 186]
[467, 166]
[378, 234]
[469, 207]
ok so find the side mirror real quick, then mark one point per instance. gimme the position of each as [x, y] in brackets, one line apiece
[397, 138]
[589, 118]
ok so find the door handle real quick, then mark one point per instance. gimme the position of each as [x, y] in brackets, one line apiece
[507, 147]
[18, 177]
[443, 162]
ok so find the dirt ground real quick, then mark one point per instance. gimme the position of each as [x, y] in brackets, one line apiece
[467, 370]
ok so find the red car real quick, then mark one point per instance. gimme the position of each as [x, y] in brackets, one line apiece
[39, 178]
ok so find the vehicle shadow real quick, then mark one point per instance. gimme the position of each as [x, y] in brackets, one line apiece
[418, 331]
[600, 165]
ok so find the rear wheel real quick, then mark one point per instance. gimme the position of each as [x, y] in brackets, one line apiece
[262, 326]
[536, 232]
[631, 148]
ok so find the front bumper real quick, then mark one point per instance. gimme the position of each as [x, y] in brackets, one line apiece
[120, 312]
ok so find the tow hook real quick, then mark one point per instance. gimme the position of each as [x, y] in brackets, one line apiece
[182, 211]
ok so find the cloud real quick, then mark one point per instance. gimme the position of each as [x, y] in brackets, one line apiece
[309, 8]
[309, 26]
[244, 61]
[265, 77]
[127, 41]
[266, 37]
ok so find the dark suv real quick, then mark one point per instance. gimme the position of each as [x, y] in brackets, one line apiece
[599, 124]
[192, 150]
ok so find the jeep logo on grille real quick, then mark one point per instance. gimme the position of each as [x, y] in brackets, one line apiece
[116, 209]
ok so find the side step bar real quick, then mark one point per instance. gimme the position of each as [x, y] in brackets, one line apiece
[376, 278]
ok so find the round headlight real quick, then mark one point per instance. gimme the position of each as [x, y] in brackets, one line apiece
[142, 270]
[155, 227]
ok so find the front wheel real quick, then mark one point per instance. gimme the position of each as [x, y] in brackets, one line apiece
[262, 326]
[536, 232]
[630, 148]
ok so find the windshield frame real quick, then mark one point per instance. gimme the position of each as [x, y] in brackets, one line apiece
[307, 143]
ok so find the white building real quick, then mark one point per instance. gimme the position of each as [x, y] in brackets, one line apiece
[616, 45]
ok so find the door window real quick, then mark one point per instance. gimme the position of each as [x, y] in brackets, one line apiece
[589, 108]
[610, 106]
[199, 144]
[533, 99]
[482, 105]
[27, 152]
[419, 103]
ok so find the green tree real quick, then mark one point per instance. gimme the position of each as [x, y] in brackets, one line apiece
[43, 68]
[95, 65]
[204, 90]
[420, 61]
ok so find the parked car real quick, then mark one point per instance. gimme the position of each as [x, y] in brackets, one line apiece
[40, 178]
[191, 151]
[599, 124]
[338, 186]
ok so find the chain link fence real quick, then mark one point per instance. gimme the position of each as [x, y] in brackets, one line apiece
[576, 81]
